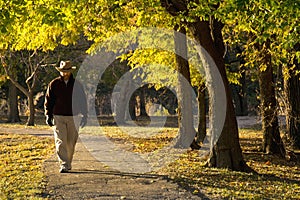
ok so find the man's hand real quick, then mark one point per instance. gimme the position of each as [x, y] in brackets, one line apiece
[83, 121]
[49, 120]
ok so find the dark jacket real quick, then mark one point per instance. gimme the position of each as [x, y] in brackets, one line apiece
[65, 99]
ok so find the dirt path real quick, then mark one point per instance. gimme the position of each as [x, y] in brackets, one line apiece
[90, 179]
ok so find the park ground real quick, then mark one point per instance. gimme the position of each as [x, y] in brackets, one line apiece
[29, 169]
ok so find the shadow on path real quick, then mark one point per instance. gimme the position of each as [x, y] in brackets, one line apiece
[90, 179]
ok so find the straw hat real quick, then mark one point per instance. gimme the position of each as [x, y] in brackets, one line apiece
[65, 66]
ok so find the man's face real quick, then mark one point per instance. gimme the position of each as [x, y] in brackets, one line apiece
[65, 75]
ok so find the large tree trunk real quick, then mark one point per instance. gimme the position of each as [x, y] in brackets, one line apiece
[185, 110]
[13, 111]
[292, 91]
[227, 152]
[272, 142]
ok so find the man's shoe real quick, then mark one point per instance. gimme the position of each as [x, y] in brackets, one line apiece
[63, 170]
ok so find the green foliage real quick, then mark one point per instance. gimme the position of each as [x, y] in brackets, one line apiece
[251, 23]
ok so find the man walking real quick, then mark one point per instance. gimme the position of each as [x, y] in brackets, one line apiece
[65, 100]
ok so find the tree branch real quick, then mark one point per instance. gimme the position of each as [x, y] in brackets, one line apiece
[11, 78]
[174, 7]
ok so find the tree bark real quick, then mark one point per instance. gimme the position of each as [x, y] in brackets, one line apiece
[143, 112]
[240, 95]
[201, 134]
[30, 120]
[13, 111]
[292, 92]
[243, 94]
[132, 107]
[272, 142]
[227, 152]
[185, 111]
[120, 117]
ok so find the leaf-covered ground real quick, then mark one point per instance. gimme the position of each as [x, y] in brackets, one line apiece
[276, 178]
[22, 157]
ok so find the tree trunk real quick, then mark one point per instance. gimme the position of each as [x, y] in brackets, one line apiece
[13, 111]
[132, 107]
[227, 152]
[120, 104]
[185, 111]
[30, 120]
[143, 112]
[240, 96]
[272, 142]
[201, 134]
[292, 91]
[243, 94]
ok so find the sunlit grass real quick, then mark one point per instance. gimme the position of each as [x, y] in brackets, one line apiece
[22, 157]
[276, 178]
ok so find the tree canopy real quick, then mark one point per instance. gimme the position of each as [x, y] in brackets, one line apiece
[46, 24]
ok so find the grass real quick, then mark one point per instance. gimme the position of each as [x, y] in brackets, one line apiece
[276, 178]
[22, 157]
[39, 123]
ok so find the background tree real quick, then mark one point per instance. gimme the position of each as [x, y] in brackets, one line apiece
[12, 100]
[13, 110]
[292, 91]
[269, 27]
[32, 69]
[272, 142]
[238, 76]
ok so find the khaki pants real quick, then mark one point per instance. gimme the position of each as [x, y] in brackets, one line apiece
[65, 135]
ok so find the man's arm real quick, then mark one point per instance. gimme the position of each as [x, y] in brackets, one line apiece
[48, 105]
